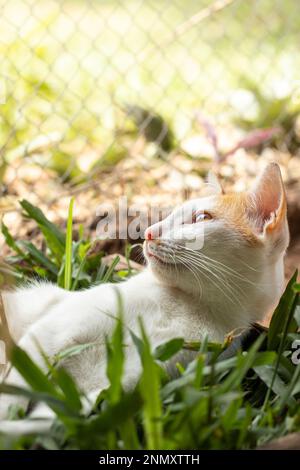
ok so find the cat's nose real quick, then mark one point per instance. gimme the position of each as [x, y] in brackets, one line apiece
[153, 232]
[148, 234]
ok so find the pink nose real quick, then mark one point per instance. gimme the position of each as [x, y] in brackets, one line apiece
[148, 235]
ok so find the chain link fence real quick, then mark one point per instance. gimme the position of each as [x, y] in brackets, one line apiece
[92, 90]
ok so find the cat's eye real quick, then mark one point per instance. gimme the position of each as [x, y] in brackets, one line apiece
[201, 216]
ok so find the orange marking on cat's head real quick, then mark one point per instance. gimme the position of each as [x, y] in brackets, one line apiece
[233, 208]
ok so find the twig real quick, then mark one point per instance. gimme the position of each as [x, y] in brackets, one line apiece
[182, 28]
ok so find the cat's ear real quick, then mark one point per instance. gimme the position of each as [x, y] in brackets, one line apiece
[267, 207]
[213, 185]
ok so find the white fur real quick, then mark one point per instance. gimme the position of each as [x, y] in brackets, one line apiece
[185, 298]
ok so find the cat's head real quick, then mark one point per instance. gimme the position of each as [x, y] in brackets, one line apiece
[225, 248]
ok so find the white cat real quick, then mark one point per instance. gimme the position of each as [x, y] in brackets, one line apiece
[232, 280]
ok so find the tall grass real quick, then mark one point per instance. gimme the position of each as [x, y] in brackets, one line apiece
[235, 395]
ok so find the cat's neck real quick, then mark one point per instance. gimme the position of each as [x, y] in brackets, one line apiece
[195, 315]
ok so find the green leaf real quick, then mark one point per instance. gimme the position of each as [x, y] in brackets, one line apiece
[150, 391]
[282, 315]
[10, 241]
[54, 237]
[291, 389]
[68, 387]
[73, 351]
[56, 404]
[80, 270]
[40, 383]
[244, 362]
[289, 300]
[266, 373]
[68, 248]
[138, 343]
[31, 373]
[115, 358]
[165, 351]
[107, 276]
[229, 417]
[39, 257]
[113, 415]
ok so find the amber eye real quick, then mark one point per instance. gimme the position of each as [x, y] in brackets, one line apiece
[201, 216]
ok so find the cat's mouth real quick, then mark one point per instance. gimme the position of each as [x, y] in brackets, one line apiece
[157, 257]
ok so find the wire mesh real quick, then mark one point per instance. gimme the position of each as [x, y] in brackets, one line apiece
[87, 85]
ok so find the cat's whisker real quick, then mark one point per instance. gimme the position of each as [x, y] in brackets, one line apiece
[220, 272]
[221, 278]
[204, 257]
[191, 255]
[175, 264]
[189, 268]
[225, 285]
[210, 280]
[220, 265]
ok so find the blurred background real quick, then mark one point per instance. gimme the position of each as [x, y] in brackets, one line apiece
[103, 98]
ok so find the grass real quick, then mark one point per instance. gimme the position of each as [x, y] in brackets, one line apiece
[226, 397]
[68, 253]
[83, 70]
[72, 264]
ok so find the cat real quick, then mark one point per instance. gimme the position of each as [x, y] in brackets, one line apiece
[233, 279]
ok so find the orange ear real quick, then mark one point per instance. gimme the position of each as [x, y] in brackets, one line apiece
[268, 208]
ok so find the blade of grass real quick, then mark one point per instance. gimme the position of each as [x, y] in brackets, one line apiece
[55, 403]
[110, 270]
[282, 314]
[68, 249]
[280, 351]
[150, 391]
[80, 269]
[10, 241]
[33, 375]
[115, 357]
[290, 388]
[39, 257]
[54, 237]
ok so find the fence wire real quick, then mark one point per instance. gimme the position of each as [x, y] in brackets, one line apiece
[87, 85]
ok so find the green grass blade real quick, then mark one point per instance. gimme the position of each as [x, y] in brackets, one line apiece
[150, 391]
[80, 270]
[54, 236]
[244, 363]
[107, 276]
[10, 241]
[52, 401]
[68, 249]
[115, 358]
[68, 387]
[165, 351]
[288, 320]
[31, 373]
[282, 314]
[40, 258]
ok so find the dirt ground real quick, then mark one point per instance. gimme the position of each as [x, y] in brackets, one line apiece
[145, 181]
